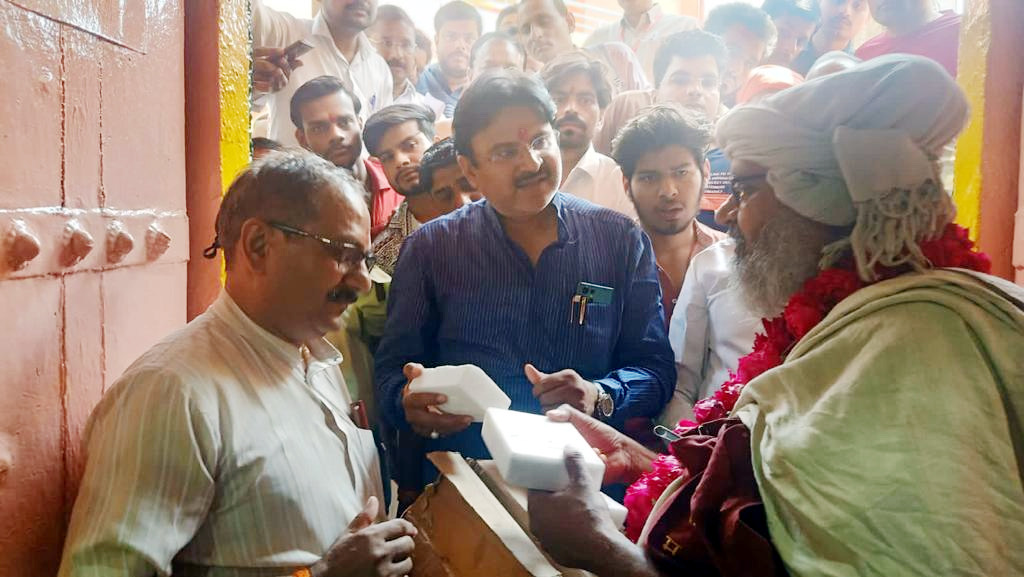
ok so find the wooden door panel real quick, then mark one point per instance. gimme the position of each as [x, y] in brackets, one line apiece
[141, 306]
[31, 423]
[83, 359]
[93, 134]
[30, 111]
[145, 135]
[123, 22]
[82, 56]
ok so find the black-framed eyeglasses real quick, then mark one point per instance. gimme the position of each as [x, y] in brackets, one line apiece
[344, 253]
[745, 187]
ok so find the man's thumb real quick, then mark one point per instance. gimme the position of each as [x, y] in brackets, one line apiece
[412, 370]
[577, 469]
[365, 517]
[533, 375]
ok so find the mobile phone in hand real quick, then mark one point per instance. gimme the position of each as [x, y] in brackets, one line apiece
[296, 49]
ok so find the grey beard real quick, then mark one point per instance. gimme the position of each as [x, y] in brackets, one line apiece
[771, 269]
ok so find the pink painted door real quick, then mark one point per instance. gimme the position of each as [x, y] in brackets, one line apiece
[93, 236]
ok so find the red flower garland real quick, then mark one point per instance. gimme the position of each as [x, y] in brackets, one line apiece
[805, 309]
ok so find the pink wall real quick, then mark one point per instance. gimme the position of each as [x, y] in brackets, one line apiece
[92, 128]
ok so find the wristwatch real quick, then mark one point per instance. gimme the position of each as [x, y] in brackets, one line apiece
[605, 406]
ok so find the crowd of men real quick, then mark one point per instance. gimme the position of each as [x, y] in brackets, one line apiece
[570, 220]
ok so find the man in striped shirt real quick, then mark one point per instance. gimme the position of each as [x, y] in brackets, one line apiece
[230, 449]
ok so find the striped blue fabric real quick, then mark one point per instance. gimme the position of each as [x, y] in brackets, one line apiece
[463, 293]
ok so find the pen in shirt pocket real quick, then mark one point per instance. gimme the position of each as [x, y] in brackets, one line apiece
[586, 294]
[359, 417]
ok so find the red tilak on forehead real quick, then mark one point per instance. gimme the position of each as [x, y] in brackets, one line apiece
[523, 135]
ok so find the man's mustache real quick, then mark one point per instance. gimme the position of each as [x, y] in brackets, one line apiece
[343, 295]
[570, 118]
[526, 179]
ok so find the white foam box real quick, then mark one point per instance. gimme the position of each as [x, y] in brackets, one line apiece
[529, 449]
[468, 388]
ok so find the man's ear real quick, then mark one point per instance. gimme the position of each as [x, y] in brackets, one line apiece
[468, 170]
[571, 21]
[300, 135]
[626, 187]
[254, 244]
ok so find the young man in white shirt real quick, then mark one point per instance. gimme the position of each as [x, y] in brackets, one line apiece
[643, 26]
[340, 49]
[711, 327]
[230, 448]
[579, 87]
[663, 155]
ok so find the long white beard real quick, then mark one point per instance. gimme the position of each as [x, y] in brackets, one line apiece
[776, 265]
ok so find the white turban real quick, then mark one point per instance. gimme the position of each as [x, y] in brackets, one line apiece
[857, 147]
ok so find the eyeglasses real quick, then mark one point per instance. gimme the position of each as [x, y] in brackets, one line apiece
[390, 44]
[511, 153]
[743, 188]
[344, 253]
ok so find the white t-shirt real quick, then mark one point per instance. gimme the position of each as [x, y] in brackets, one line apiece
[598, 179]
[644, 40]
[367, 75]
[710, 329]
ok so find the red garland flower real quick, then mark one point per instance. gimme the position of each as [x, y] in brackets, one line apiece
[805, 309]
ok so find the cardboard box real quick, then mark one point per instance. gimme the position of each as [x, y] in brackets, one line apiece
[515, 500]
[465, 531]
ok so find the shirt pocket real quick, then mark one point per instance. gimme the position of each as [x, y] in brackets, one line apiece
[594, 340]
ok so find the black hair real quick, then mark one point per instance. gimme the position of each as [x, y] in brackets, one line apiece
[380, 122]
[509, 10]
[564, 66]
[559, 5]
[486, 39]
[392, 13]
[806, 9]
[265, 143]
[456, 11]
[314, 90]
[290, 187]
[491, 93]
[656, 128]
[441, 155]
[688, 44]
[725, 16]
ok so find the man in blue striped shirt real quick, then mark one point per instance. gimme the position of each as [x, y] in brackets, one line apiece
[493, 284]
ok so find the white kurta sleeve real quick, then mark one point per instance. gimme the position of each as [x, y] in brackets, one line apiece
[148, 483]
[273, 29]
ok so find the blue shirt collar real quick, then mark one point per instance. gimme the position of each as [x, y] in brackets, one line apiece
[566, 231]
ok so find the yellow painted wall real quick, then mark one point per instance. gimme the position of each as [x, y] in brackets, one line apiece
[235, 45]
[975, 43]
